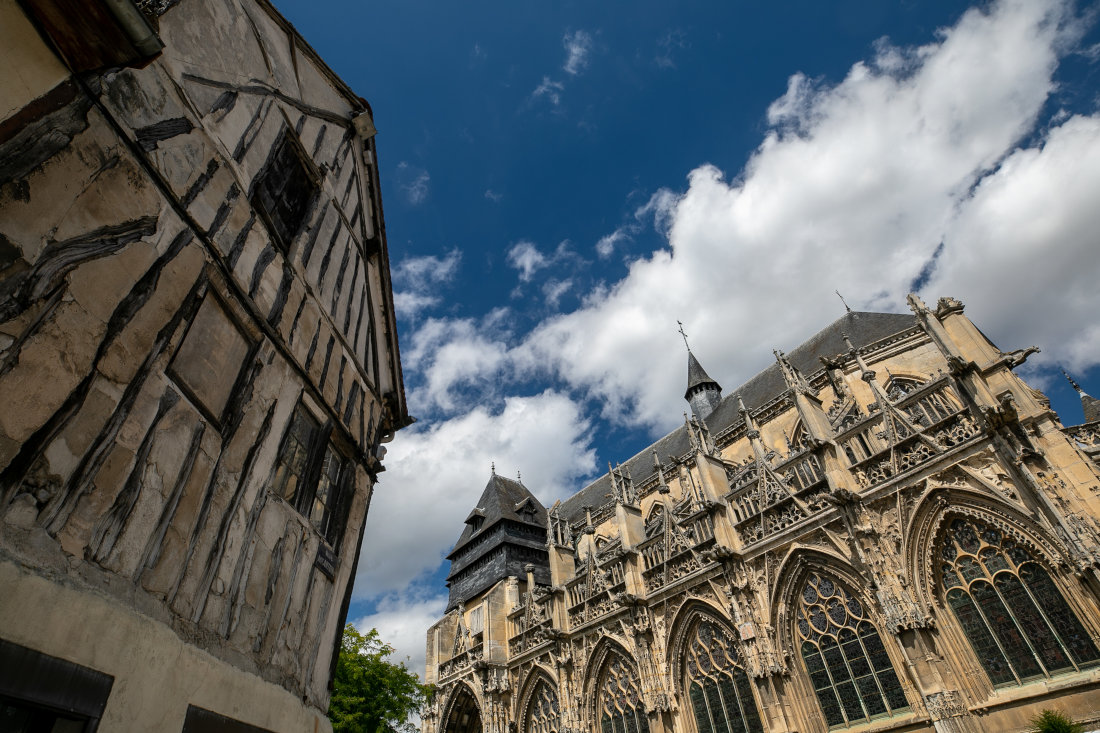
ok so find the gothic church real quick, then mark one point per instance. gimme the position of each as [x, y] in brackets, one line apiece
[886, 530]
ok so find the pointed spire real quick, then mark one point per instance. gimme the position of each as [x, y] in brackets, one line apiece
[842, 300]
[1089, 404]
[796, 382]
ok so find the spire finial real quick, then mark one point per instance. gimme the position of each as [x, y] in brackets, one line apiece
[1076, 386]
[519, 476]
[493, 467]
[842, 300]
[681, 324]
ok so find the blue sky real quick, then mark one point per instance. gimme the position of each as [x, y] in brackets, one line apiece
[562, 182]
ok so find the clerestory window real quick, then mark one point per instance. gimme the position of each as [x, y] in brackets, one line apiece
[312, 475]
[849, 667]
[1009, 608]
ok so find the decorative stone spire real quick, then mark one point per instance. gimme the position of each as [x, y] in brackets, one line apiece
[703, 393]
[1089, 404]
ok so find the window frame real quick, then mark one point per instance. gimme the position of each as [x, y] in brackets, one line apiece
[332, 523]
[282, 235]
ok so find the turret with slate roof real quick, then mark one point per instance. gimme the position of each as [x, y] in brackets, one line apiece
[702, 393]
[505, 532]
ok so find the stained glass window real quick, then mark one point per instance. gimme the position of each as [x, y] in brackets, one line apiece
[620, 698]
[848, 665]
[1013, 615]
[718, 688]
[542, 710]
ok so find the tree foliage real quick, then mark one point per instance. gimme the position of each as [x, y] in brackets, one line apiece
[371, 694]
[1053, 721]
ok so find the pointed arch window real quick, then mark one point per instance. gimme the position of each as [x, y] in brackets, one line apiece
[1009, 608]
[542, 709]
[619, 698]
[718, 689]
[849, 667]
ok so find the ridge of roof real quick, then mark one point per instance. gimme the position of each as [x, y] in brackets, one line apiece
[862, 328]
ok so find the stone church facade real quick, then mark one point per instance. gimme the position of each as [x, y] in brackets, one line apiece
[198, 365]
[886, 530]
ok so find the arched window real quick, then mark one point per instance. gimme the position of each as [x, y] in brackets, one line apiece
[847, 663]
[1013, 615]
[717, 688]
[464, 715]
[619, 698]
[542, 709]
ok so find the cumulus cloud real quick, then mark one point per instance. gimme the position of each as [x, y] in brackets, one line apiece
[854, 187]
[437, 472]
[1023, 250]
[427, 271]
[577, 45]
[401, 623]
[450, 354]
[417, 281]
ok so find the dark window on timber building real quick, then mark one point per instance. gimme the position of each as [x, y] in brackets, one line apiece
[283, 192]
[312, 475]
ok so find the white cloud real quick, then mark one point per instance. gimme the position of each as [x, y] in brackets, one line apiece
[437, 472]
[427, 271]
[417, 281]
[450, 354]
[402, 622]
[526, 257]
[553, 290]
[409, 304]
[577, 47]
[1023, 250]
[493, 195]
[853, 188]
[549, 89]
[606, 246]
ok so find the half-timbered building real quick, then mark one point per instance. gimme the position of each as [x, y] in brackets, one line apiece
[198, 365]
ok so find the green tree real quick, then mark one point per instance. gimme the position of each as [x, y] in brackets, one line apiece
[1053, 721]
[369, 693]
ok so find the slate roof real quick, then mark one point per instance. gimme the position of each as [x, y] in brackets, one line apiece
[697, 375]
[503, 499]
[862, 328]
[1091, 406]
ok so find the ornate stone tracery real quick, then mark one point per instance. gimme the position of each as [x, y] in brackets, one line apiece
[1007, 605]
